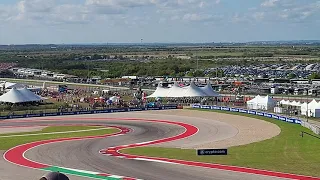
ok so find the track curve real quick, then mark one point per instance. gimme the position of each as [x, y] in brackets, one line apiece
[85, 154]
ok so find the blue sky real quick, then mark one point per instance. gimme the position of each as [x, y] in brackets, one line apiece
[110, 21]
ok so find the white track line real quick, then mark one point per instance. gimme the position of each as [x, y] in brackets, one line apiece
[22, 135]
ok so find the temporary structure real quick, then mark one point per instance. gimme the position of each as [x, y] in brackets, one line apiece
[264, 103]
[194, 91]
[30, 95]
[305, 109]
[160, 92]
[253, 103]
[9, 85]
[209, 90]
[176, 91]
[188, 91]
[14, 96]
[308, 108]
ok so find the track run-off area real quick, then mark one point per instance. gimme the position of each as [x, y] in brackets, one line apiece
[100, 157]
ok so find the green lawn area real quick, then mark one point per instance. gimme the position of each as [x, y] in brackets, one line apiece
[9, 142]
[288, 152]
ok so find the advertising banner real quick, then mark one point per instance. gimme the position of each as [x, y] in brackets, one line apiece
[135, 109]
[102, 111]
[225, 108]
[154, 108]
[282, 118]
[50, 114]
[268, 115]
[17, 116]
[169, 107]
[33, 115]
[243, 111]
[68, 113]
[252, 112]
[275, 116]
[260, 113]
[84, 112]
[216, 107]
[119, 110]
[210, 152]
[195, 106]
[234, 109]
[205, 107]
[297, 121]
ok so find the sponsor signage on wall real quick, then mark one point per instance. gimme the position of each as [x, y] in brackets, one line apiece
[282, 118]
[260, 113]
[252, 112]
[216, 107]
[234, 109]
[225, 108]
[211, 152]
[243, 111]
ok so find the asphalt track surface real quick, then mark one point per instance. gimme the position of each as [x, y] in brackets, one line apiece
[85, 154]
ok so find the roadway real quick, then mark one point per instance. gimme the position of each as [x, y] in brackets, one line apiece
[85, 155]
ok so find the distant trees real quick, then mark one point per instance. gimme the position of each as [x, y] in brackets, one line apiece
[314, 76]
[292, 76]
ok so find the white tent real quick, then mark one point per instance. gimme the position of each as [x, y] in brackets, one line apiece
[283, 102]
[308, 109]
[295, 103]
[252, 104]
[209, 90]
[30, 95]
[264, 103]
[189, 91]
[14, 96]
[315, 110]
[160, 92]
[9, 85]
[176, 91]
[305, 109]
[194, 91]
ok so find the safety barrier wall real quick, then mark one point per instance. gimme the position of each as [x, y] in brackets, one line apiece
[315, 129]
[312, 127]
[90, 112]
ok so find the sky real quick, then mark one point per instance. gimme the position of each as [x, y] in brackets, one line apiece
[167, 21]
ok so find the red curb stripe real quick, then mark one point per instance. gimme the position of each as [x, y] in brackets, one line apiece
[16, 154]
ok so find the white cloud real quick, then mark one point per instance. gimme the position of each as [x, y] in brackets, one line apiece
[258, 15]
[199, 17]
[269, 3]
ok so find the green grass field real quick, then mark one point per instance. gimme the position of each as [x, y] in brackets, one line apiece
[9, 142]
[288, 152]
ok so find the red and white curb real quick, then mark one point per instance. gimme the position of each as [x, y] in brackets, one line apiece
[16, 156]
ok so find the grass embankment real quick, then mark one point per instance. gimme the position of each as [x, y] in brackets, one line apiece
[288, 152]
[9, 142]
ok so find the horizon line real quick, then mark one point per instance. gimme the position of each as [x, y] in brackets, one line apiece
[145, 43]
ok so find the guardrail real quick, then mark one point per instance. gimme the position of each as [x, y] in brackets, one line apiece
[246, 111]
[90, 112]
[313, 128]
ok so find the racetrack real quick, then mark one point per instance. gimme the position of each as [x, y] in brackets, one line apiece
[84, 154]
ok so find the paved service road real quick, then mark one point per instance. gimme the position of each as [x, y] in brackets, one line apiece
[85, 155]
